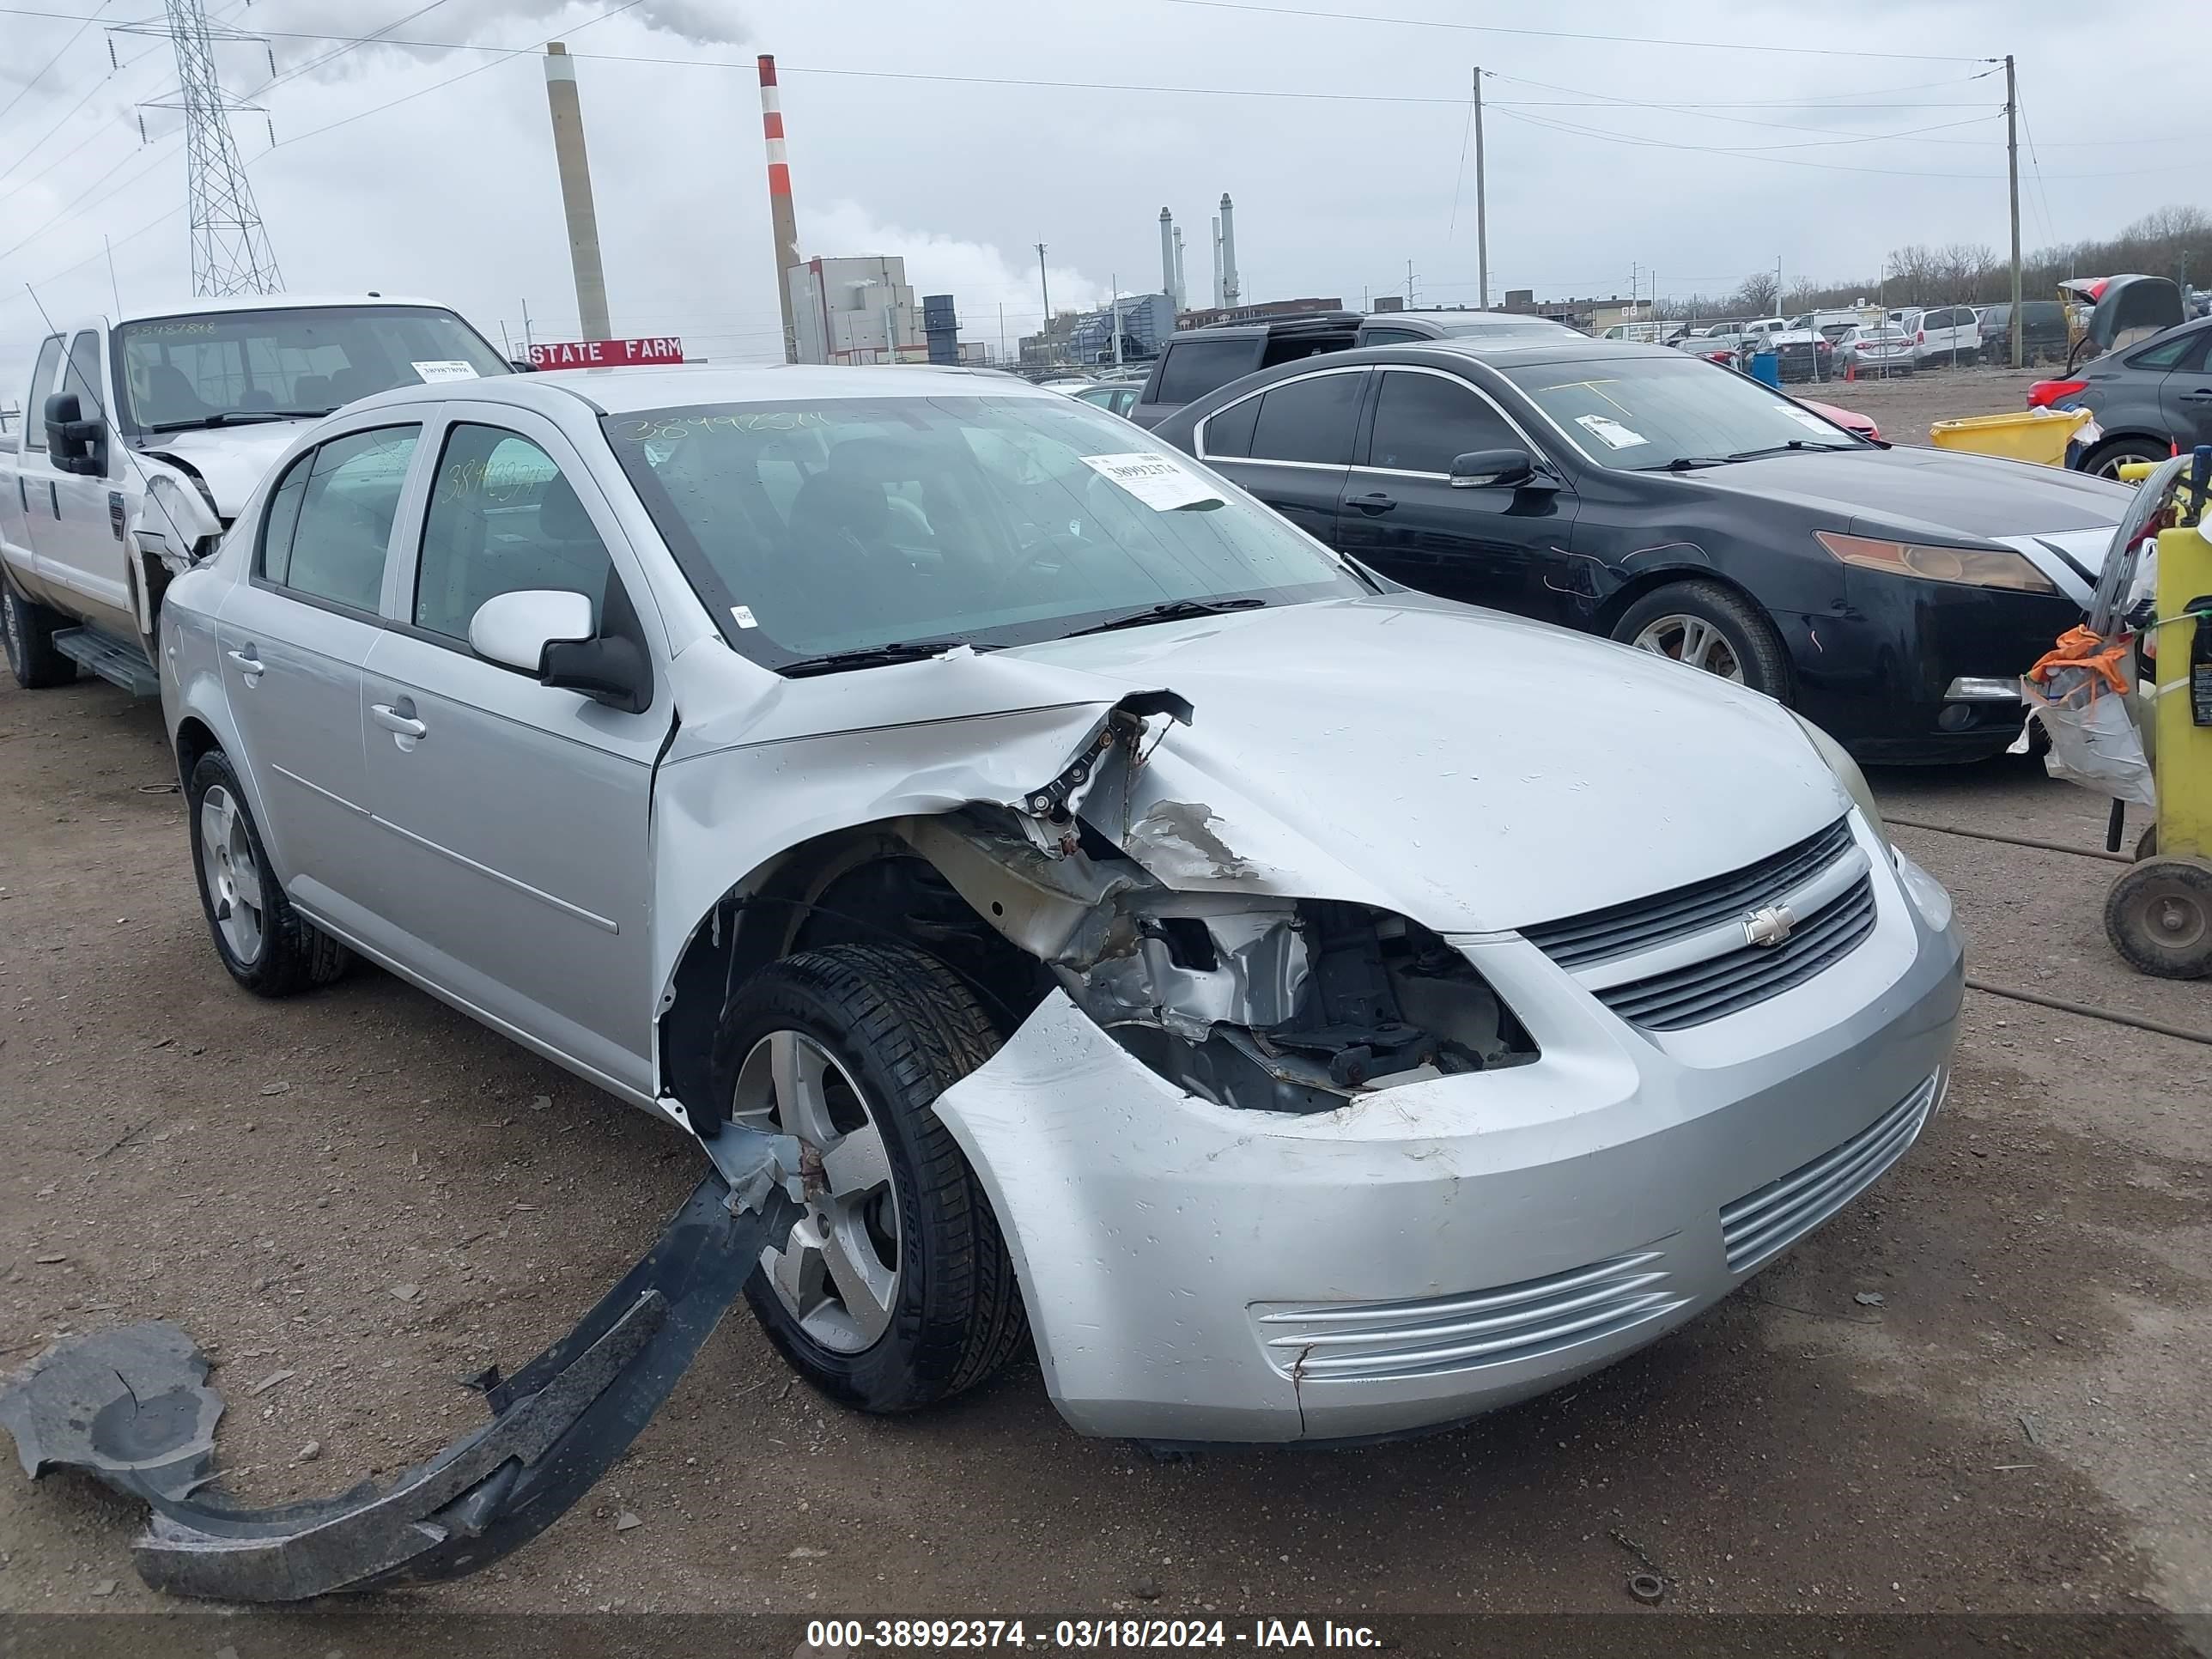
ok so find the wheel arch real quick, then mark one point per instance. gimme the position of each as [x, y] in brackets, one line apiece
[1615, 605]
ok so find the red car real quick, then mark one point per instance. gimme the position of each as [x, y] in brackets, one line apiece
[1858, 425]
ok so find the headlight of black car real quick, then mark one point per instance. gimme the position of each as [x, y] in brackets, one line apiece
[1973, 567]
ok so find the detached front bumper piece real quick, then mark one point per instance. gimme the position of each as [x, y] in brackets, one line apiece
[132, 1408]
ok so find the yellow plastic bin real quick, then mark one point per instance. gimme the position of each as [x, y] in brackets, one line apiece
[2040, 434]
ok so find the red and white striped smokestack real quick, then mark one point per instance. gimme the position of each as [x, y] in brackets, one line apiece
[783, 222]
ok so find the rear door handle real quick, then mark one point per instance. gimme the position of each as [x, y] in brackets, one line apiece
[2202, 395]
[248, 664]
[1376, 502]
[398, 721]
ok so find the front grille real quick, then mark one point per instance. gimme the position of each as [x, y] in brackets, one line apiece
[1357, 1340]
[1620, 930]
[1761, 1224]
[1735, 980]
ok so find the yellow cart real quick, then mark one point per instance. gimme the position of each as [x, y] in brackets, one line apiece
[2039, 434]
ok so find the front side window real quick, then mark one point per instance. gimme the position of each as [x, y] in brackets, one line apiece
[329, 521]
[1309, 420]
[1642, 414]
[814, 528]
[42, 382]
[502, 519]
[83, 376]
[228, 367]
[1423, 421]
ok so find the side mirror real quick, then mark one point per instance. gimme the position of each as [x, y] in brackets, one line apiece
[1494, 469]
[73, 443]
[548, 633]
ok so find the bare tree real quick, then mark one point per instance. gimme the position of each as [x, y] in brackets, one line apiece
[1755, 296]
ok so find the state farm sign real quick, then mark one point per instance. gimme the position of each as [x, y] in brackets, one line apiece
[607, 354]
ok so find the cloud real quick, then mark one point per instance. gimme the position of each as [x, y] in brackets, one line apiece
[497, 22]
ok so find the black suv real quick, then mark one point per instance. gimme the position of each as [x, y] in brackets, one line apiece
[1199, 361]
[2043, 333]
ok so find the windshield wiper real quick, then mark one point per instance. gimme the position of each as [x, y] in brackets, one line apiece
[1783, 448]
[873, 656]
[1687, 463]
[237, 417]
[1173, 610]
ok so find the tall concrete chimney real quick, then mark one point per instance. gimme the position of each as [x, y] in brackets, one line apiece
[569, 154]
[1228, 250]
[1167, 259]
[1217, 301]
[783, 224]
[1181, 294]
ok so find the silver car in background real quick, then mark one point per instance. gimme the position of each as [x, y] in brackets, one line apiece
[1304, 1008]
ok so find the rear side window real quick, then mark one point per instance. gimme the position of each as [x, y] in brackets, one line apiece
[1309, 420]
[1423, 421]
[1229, 433]
[1374, 336]
[2170, 354]
[1194, 368]
[502, 519]
[330, 517]
[42, 382]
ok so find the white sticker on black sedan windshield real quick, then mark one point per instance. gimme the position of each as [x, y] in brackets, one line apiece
[1155, 480]
[444, 370]
[1610, 431]
[1806, 417]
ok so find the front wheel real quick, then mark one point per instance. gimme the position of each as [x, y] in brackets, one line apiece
[28, 631]
[2107, 459]
[2159, 917]
[893, 1288]
[1709, 626]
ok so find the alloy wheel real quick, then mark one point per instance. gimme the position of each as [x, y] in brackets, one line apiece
[231, 874]
[837, 1272]
[11, 621]
[1694, 641]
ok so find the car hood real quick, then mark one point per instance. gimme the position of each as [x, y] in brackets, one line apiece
[1935, 495]
[1472, 771]
[232, 461]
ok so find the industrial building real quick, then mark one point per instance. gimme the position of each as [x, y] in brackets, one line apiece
[855, 310]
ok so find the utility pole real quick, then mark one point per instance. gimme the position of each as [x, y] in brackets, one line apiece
[1409, 284]
[1482, 202]
[1044, 289]
[1002, 331]
[1115, 280]
[2012, 169]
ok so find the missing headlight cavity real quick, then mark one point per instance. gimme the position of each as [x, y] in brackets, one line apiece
[1295, 1005]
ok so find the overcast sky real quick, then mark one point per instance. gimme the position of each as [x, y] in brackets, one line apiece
[453, 193]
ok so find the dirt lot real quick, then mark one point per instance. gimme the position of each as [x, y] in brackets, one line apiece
[2019, 1424]
[1905, 407]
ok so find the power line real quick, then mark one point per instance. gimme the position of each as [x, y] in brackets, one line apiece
[23, 91]
[1739, 120]
[1564, 34]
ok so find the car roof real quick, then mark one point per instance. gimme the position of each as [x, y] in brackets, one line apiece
[620, 391]
[1455, 314]
[201, 308]
[1514, 351]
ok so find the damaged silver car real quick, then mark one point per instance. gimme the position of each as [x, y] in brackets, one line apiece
[1303, 1009]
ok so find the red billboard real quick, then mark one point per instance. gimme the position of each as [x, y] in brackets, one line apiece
[607, 354]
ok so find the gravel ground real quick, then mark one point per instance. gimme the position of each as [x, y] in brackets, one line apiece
[2018, 1426]
[1906, 407]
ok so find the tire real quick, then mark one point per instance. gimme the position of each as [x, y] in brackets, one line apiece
[281, 953]
[2159, 917]
[1746, 640]
[28, 629]
[882, 1031]
[2105, 459]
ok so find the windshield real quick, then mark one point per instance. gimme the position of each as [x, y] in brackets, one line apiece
[814, 528]
[1640, 415]
[207, 370]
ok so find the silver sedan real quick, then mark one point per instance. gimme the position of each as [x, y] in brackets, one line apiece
[1302, 1008]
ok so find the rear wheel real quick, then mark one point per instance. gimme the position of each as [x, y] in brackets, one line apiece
[28, 630]
[2159, 917]
[893, 1289]
[1709, 626]
[2106, 459]
[267, 945]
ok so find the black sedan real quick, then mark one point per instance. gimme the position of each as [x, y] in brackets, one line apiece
[2146, 398]
[1894, 596]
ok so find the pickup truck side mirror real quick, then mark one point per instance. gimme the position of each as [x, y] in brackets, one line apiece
[73, 443]
[548, 633]
[1499, 468]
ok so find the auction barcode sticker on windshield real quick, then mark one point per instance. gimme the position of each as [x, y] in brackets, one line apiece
[444, 369]
[1610, 431]
[1155, 480]
[1808, 419]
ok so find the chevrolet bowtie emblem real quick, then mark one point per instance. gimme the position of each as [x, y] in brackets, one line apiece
[1770, 926]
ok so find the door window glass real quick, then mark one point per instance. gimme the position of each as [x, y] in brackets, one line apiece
[502, 519]
[1195, 367]
[1309, 420]
[83, 376]
[2170, 354]
[1229, 433]
[330, 517]
[42, 382]
[1423, 421]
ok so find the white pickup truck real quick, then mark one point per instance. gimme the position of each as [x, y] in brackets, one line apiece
[143, 436]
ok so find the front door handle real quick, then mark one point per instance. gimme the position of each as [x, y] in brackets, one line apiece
[1376, 502]
[400, 721]
[2202, 395]
[248, 664]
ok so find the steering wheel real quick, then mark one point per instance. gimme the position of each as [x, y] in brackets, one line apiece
[1063, 542]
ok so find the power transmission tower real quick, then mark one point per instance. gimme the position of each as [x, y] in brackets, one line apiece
[230, 247]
